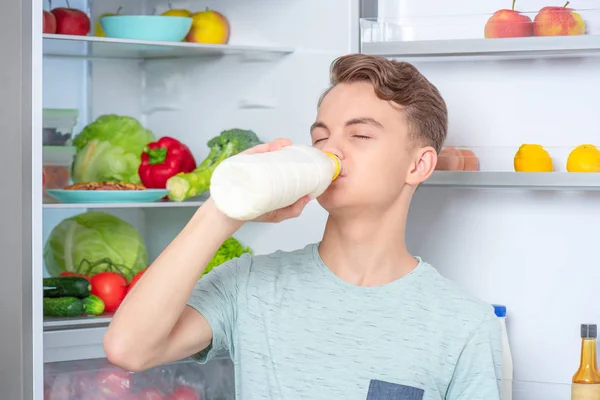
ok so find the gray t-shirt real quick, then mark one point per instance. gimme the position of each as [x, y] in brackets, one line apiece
[295, 330]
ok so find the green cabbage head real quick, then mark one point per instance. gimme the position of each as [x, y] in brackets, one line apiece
[109, 150]
[93, 242]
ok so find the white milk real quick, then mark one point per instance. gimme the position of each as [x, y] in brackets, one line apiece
[246, 186]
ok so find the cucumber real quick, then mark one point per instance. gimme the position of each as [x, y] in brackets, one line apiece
[67, 286]
[63, 307]
[93, 305]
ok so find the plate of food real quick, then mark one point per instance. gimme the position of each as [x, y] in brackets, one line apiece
[107, 192]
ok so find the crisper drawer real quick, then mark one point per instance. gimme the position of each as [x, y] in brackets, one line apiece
[97, 379]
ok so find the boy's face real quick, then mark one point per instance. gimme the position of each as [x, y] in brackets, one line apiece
[371, 138]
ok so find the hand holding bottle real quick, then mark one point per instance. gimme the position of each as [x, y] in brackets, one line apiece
[230, 181]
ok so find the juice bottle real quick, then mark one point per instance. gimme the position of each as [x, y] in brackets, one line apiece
[246, 186]
[586, 381]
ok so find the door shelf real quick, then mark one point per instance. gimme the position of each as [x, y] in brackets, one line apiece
[89, 47]
[527, 47]
[518, 180]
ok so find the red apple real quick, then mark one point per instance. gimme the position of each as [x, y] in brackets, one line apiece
[508, 24]
[558, 21]
[49, 22]
[70, 21]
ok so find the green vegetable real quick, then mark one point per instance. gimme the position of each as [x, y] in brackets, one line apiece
[109, 150]
[231, 248]
[93, 305]
[185, 185]
[94, 242]
[63, 307]
[67, 286]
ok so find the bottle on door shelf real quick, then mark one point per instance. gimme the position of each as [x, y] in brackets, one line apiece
[586, 381]
[246, 186]
[507, 363]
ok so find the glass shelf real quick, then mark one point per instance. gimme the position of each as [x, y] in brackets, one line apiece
[156, 204]
[90, 47]
[519, 180]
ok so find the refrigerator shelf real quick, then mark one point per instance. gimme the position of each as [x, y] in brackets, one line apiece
[90, 47]
[518, 180]
[155, 204]
[56, 323]
[525, 47]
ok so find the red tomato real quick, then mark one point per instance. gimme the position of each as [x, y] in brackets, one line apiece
[66, 273]
[136, 278]
[183, 392]
[111, 287]
[152, 394]
[113, 383]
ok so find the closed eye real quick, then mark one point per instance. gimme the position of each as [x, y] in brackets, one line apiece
[319, 140]
[362, 137]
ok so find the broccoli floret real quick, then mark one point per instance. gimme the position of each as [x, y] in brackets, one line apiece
[230, 142]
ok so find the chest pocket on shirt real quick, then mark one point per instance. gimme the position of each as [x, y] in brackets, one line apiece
[380, 390]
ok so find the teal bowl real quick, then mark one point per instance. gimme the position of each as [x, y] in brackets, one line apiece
[146, 27]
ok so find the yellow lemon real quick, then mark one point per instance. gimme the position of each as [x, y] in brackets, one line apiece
[177, 13]
[532, 158]
[584, 158]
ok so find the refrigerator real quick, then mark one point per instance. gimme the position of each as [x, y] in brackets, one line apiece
[525, 240]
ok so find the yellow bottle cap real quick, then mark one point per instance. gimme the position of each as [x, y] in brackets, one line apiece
[338, 165]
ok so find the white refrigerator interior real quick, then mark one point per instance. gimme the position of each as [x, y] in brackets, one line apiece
[529, 250]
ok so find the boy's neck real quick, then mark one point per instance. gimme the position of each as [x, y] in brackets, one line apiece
[367, 249]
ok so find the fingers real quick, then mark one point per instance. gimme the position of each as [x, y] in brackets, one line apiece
[270, 146]
[291, 211]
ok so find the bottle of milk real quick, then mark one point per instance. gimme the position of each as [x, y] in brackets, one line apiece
[246, 186]
[507, 364]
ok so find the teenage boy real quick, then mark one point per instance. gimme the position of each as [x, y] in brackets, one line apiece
[352, 317]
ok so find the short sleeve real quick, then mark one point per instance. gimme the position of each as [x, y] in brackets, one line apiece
[215, 297]
[478, 372]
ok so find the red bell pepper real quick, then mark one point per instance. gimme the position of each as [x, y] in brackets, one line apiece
[163, 159]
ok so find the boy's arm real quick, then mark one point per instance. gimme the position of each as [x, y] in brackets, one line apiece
[153, 325]
[478, 372]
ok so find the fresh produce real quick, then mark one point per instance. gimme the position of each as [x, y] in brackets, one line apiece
[471, 161]
[171, 12]
[67, 273]
[109, 149]
[71, 21]
[63, 307]
[135, 279]
[114, 383]
[164, 159]
[450, 159]
[93, 305]
[93, 242]
[67, 286]
[111, 287]
[558, 21]
[49, 23]
[508, 24]
[584, 158]
[532, 158]
[184, 392]
[231, 248]
[210, 27]
[185, 185]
